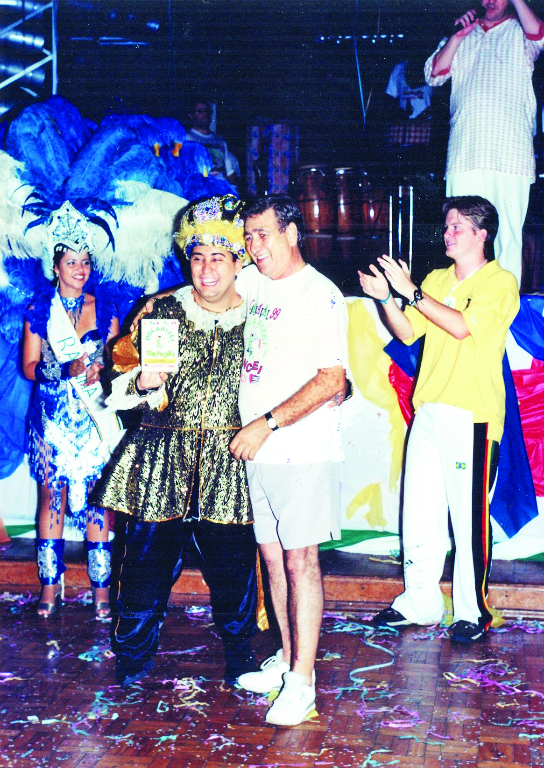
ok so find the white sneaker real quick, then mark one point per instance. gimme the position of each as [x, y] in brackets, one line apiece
[269, 677]
[294, 703]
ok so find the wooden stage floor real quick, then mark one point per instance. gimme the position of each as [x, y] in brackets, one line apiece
[435, 705]
[352, 581]
[426, 703]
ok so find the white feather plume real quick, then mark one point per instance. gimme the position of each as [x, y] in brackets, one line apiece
[13, 193]
[144, 237]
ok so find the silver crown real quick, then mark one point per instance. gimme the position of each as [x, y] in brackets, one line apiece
[68, 226]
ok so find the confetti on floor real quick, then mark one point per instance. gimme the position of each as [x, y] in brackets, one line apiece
[384, 697]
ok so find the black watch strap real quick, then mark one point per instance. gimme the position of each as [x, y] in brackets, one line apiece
[271, 421]
[418, 296]
[142, 392]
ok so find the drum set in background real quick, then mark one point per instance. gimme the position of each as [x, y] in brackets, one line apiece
[345, 210]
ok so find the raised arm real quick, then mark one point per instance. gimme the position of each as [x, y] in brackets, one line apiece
[450, 320]
[377, 287]
[527, 18]
[443, 59]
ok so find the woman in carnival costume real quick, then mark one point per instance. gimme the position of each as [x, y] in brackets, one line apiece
[175, 475]
[71, 432]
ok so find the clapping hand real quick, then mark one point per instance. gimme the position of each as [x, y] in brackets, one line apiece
[81, 365]
[93, 373]
[374, 285]
[395, 274]
[398, 276]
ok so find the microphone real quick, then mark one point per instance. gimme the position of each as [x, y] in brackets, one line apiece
[480, 13]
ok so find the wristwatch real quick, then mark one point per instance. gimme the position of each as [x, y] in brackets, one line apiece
[142, 392]
[271, 421]
[418, 296]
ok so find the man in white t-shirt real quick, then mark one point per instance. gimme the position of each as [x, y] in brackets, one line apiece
[295, 361]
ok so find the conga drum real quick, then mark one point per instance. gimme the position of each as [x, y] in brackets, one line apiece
[318, 247]
[315, 194]
[349, 188]
[375, 208]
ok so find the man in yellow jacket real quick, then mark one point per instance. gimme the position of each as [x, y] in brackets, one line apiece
[464, 312]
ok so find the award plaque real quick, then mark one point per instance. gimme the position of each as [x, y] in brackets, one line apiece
[159, 345]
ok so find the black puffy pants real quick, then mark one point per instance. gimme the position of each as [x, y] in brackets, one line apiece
[153, 562]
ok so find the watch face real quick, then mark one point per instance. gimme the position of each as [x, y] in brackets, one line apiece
[418, 295]
[272, 423]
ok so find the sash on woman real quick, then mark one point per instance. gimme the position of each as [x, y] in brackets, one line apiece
[67, 346]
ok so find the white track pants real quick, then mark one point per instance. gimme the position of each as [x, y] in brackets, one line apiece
[449, 463]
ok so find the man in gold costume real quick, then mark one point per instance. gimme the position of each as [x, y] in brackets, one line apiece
[174, 475]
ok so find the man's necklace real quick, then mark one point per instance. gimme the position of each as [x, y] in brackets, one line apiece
[466, 277]
[216, 311]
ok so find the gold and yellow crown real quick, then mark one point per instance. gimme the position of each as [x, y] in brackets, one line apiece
[216, 221]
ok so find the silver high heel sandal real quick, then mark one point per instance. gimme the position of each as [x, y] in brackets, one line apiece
[45, 609]
[102, 609]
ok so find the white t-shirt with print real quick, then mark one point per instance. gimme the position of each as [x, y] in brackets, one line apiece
[295, 326]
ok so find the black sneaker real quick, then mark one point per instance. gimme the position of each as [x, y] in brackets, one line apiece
[467, 632]
[389, 617]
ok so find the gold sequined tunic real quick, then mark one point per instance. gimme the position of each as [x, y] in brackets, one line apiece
[153, 473]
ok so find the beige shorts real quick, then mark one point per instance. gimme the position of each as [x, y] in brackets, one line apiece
[295, 504]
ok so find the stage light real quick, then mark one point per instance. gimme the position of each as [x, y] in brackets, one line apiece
[130, 26]
[12, 97]
[383, 37]
[17, 37]
[18, 52]
[21, 6]
[11, 69]
[22, 50]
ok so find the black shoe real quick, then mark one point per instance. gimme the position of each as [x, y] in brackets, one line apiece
[389, 617]
[239, 661]
[128, 672]
[467, 632]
